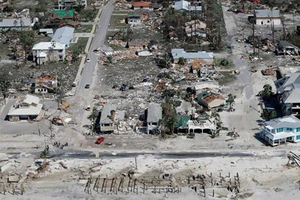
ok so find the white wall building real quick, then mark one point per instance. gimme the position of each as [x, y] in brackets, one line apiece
[267, 17]
[281, 130]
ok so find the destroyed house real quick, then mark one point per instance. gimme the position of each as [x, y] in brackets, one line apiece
[286, 48]
[288, 89]
[210, 100]
[195, 28]
[45, 83]
[64, 17]
[281, 130]
[154, 116]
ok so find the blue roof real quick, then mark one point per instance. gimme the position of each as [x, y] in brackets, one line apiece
[180, 53]
[63, 35]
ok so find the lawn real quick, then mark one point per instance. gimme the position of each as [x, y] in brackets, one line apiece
[84, 28]
[115, 21]
[80, 45]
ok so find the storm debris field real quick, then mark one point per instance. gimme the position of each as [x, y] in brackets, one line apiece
[23, 77]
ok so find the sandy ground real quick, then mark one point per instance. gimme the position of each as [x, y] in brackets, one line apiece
[269, 177]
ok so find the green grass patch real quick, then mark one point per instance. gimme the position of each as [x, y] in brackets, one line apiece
[226, 78]
[115, 21]
[80, 45]
[84, 28]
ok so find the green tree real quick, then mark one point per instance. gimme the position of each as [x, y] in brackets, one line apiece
[27, 41]
[266, 93]
[268, 114]
[4, 85]
[92, 117]
[169, 120]
[182, 61]
[230, 101]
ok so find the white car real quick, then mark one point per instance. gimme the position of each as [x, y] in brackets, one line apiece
[88, 60]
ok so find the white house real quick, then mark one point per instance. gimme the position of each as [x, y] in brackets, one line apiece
[267, 17]
[48, 51]
[25, 109]
[133, 19]
[281, 130]
[187, 6]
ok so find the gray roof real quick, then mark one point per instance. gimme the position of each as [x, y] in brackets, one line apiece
[285, 122]
[267, 13]
[286, 44]
[177, 53]
[289, 86]
[154, 112]
[15, 22]
[63, 35]
[106, 113]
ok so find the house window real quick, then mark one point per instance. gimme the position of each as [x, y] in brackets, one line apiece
[298, 137]
[297, 129]
[289, 129]
[279, 130]
[290, 138]
[60, 51]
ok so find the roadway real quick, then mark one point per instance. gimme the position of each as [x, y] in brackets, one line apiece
[85, 95]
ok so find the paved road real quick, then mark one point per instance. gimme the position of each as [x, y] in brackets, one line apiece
[106, 154]
[84, 95]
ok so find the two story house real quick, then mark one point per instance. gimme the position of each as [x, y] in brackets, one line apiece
[281, 130]
[154, 115]
[109, 116]
[288, 90]
[48, 51]
[267, 17]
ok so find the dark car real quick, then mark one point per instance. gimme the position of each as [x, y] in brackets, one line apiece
[99, 140]
[87, 86]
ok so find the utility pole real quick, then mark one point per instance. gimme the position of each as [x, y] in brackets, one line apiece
[253, 35]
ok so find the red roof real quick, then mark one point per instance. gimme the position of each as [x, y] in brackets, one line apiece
[141, 4]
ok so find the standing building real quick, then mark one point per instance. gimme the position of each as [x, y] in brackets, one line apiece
[281, 130]
[154, 116]
[267, 17]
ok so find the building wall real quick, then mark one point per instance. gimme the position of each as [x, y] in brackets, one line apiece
[268, 21]
[24, 28]
[146, 8]
[55, 55]
[40, 90]
[107, 127]
[134, 21]
[265, 132]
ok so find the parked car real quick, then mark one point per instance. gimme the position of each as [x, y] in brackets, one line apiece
[88, 60]
[100, 140]
[87, 86]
